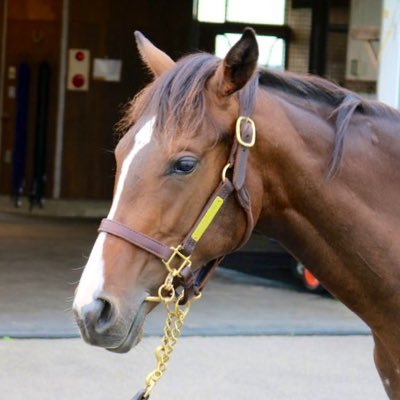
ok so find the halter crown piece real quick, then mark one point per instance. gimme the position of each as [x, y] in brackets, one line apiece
[177, 260]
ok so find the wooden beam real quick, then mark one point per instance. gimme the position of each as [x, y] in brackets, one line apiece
[319, 37]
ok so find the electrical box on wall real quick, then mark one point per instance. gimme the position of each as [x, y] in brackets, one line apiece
[363, 40]
[78, 69]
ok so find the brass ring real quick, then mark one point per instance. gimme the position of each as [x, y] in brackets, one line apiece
[224, 171]
[166, 299]
[198, 296]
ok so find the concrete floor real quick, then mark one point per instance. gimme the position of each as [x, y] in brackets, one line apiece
[41, 261]
[212, 368]
[39, 267]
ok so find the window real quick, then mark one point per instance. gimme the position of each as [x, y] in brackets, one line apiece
[211, 11]
[224, 19]
[265, 12]
[271, 48]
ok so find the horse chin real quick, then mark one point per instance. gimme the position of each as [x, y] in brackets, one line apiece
[134, 334]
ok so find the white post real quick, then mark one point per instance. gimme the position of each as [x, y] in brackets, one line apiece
[389, 56]
[61, 102]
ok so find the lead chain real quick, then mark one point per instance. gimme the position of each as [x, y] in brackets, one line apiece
[176, 315]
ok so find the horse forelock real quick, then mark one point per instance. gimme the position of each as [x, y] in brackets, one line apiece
[177, 98]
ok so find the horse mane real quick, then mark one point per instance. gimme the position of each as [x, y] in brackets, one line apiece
[343, 102]
[178, 99]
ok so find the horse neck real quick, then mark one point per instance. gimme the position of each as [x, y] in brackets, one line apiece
[326, 224]
[292, 155]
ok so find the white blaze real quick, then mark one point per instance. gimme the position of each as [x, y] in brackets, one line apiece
[92, 279]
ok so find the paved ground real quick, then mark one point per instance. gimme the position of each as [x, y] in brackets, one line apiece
[234, 359]
[40, 265]
[219, 368]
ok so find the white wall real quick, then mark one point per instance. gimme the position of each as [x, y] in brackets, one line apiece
[389, 59]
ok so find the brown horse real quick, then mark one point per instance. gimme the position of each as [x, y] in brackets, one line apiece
[323, 179]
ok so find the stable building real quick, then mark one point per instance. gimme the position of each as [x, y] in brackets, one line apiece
[68, 67]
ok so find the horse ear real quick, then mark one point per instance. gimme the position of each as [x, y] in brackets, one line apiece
[157, 61]
[238, 66]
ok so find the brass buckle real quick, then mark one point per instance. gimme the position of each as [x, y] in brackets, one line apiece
[239, 133]
[185, 261]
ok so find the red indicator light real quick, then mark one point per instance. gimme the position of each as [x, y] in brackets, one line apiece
[80, 55]
[78, 80]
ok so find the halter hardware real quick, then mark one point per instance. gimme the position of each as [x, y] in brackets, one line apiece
[224, 171]
[239, 138]
[182, 259]
[168, 285]
[177, 260]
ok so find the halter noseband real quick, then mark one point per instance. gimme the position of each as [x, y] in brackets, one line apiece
[177, 260]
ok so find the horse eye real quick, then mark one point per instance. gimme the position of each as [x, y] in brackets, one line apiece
[184, 165]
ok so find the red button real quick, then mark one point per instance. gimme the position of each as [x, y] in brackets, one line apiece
[80, 55]
[78, 80]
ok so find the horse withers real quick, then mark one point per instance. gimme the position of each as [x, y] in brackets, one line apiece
[322, 178]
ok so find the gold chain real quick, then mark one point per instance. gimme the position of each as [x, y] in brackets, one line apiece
[176, 314]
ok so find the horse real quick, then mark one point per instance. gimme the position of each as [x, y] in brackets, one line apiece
[321, 178]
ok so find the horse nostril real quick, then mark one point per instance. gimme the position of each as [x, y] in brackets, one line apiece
[105, 315]
[106, 312]
[97, 316]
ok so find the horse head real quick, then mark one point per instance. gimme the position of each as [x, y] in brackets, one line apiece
[178, 138]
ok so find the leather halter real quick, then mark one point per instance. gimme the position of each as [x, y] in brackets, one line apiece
[177, 259]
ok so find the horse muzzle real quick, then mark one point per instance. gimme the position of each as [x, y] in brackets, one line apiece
[102, 324]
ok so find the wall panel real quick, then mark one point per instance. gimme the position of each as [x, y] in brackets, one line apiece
[106, 29]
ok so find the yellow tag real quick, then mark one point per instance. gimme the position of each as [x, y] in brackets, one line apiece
[207, 219]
